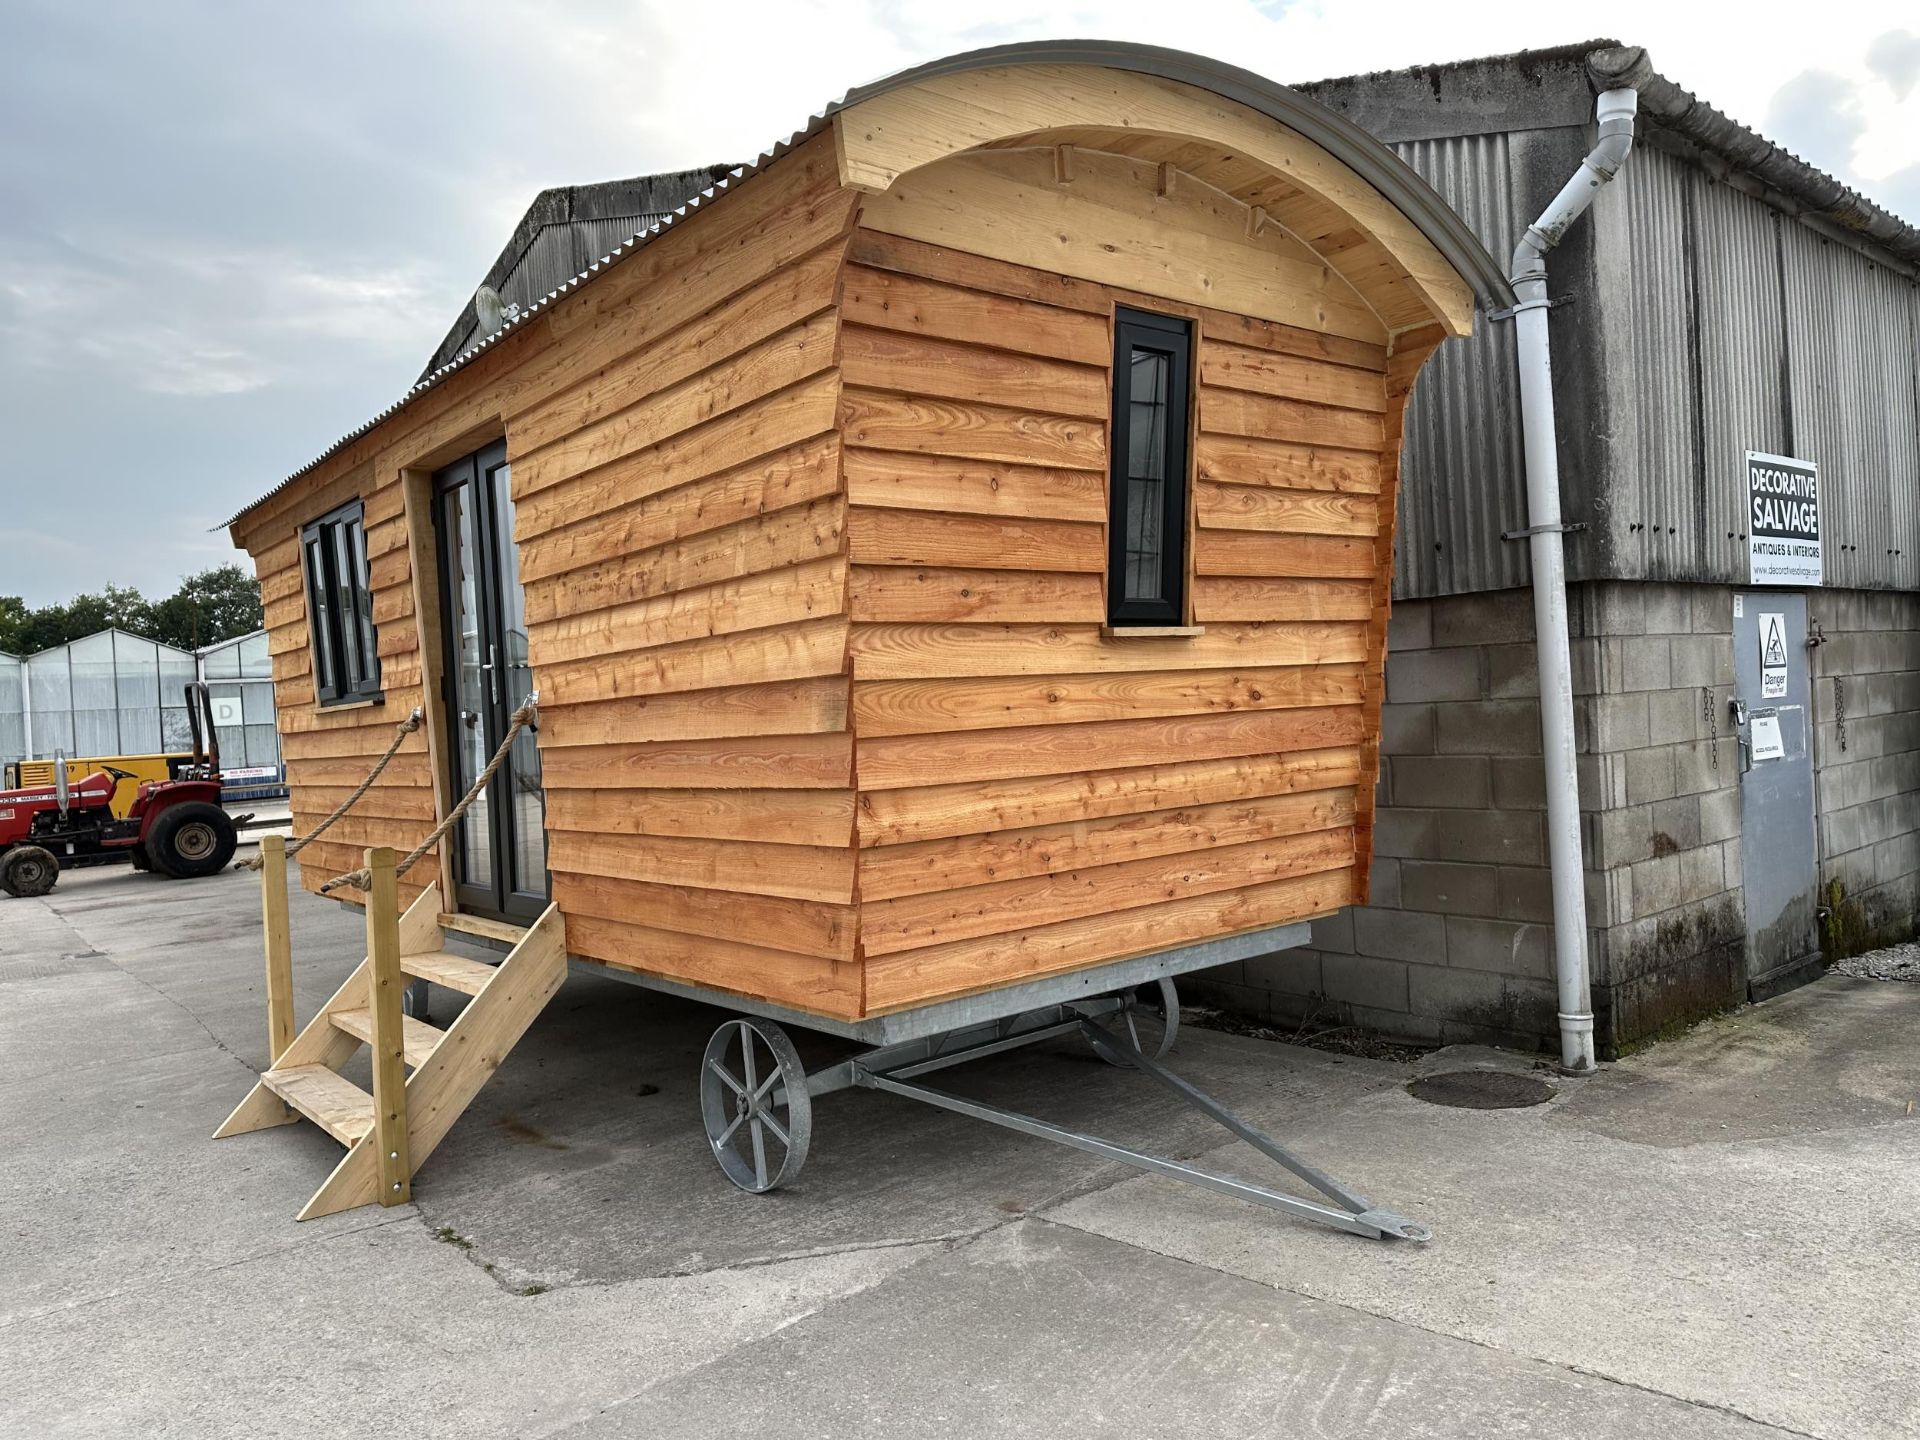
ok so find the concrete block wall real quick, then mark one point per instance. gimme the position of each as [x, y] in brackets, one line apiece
[1457, 942]
[1660, 803]
[1866, 708]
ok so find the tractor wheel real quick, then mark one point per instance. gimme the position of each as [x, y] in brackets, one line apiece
[191, 839]
[27, 870]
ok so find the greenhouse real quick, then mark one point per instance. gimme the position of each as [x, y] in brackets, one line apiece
[114, 693]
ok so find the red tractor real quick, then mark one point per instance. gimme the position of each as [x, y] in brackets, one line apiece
[175, 827]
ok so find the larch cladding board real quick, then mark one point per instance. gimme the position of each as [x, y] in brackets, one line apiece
[681, 536]
[1035, 794]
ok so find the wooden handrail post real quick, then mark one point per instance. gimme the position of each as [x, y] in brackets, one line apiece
[279, 942]
[384, 983]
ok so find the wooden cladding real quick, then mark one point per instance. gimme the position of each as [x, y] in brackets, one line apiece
[677, 489]
[814, 514]
[1032, 791]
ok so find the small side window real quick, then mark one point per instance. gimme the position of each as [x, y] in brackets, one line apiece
[346, 651]
[1147, 515]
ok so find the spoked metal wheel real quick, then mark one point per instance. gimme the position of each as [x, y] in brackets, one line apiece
[1151, 1018]
[754, 1102]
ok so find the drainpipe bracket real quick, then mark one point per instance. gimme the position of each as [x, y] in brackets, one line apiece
[1495, 316]
[1566, 529]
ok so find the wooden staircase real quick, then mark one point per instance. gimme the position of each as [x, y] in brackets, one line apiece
[390, 1133]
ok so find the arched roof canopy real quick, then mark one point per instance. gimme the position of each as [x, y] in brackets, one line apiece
[1289, 161]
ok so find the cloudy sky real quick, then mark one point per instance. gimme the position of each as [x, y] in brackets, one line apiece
[231, 232]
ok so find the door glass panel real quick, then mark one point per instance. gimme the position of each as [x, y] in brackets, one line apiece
[472, 741]
[528, 800]
[1146, 473]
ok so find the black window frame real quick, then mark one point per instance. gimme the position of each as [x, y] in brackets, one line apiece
[345, 641]
[1137, 330]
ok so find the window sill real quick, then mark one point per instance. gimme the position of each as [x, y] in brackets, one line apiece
[1152, 632]
[331, 707]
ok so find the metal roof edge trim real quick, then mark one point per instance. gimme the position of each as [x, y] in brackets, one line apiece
[1690, 117]
[1340, 137]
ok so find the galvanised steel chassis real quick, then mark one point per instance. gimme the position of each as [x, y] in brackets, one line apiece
[756, 1096]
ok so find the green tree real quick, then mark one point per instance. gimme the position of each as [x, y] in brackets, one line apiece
[214, 605]
[120, 607]
[14, 616]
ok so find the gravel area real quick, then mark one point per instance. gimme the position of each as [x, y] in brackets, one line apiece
[1896, 962]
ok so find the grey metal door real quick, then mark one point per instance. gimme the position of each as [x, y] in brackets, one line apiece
[1779, 863]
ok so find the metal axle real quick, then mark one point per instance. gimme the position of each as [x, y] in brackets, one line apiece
[892, 1071]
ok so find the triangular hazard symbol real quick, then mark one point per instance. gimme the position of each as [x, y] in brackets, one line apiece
[1774, 650]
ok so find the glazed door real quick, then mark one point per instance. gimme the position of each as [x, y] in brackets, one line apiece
[500, 845]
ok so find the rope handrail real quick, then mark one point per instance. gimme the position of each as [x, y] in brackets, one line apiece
[400, 732]
[359, 879]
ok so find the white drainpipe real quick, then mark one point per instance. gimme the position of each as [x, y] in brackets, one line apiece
[1615, 112]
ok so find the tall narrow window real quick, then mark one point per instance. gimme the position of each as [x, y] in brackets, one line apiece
[346, 651]
[1147, 527]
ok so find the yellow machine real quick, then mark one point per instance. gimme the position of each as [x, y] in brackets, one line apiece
[24, 774]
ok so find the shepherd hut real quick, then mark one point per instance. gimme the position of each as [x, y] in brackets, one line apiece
[951, 551]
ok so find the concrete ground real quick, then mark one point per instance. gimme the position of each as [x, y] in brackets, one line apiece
[1717, 1239]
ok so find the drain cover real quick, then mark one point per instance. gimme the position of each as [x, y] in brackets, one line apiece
[1481, 1089]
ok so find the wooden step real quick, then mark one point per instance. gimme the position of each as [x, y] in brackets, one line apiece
[417, 1038]
[334, 1103]
[498, 931]
[454, 972]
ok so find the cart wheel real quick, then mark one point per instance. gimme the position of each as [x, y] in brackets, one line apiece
[1152, 1018]
[754, 1102]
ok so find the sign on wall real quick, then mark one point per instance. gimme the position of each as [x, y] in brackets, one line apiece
[1783, 521]
[226, 710]
[1773, 655]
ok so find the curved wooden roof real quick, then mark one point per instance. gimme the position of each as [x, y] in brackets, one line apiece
[1291, 156]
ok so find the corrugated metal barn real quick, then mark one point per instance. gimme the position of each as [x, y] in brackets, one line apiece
[567, 230]
[1741, 818]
